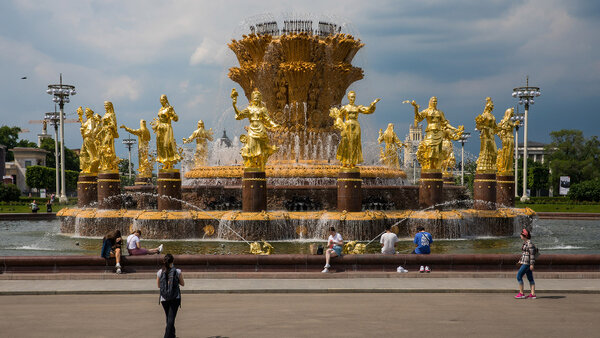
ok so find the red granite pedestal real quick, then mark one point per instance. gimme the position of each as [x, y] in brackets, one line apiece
[448, 179]
[109, 186]
[169, 190]
[349, 191]
[254, 191]
[87, 190]
[484, 191]
[505, 190]
[430, 189]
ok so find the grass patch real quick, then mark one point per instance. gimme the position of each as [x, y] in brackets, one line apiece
[560, 207]
[26, 208]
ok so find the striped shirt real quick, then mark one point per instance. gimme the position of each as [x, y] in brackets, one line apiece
[528, 253]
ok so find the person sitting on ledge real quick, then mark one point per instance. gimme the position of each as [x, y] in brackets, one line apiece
[388, 241]
[111, 247]
[34, 207]
[334, 247]
[134, 248]
[423, 240]
[49, 206]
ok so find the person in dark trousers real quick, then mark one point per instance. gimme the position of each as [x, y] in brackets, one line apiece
[527, 261]
[423, 241]
[111, 247]
[168, 280]
[34, 207]
[49, 206]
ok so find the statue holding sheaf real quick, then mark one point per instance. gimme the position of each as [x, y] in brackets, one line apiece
[257, 148]
[88, 157]
[393, 146]
[486, 124]
[505, 159]
[430, 152]
[108, 133]
[166, 148]
[201, 136]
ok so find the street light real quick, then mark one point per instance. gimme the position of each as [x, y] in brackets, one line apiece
[525, 96]
[463, 138]
[129, 142]
[54, 120]
[517, 117]
[61, 94]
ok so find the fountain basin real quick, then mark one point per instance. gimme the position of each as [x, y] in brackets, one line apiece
[283, 225]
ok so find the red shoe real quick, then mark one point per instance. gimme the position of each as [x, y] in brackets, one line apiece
[520, 296]
[530, 296]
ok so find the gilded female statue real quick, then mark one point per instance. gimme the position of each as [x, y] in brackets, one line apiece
[393, 146]
[505, 129]
[486, 124]
[430, 153]
[449, 160]
[349, 151]
[143, 134]
[108, 133]
[166, 148]
[88, 157]
[256, 149]
[201, 136]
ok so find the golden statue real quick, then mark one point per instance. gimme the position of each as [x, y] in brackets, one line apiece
[430, 152]
[267, 249]
[349, 151]
[166, 148]
[108, 133]
[505, 157]
[449, 160]
[202, 136]
[393, 146]
[143, 134]
[486, 124]
[256, 149]
[88, 156]
[354, 248]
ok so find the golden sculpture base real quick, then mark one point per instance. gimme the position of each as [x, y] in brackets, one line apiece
[295, 170]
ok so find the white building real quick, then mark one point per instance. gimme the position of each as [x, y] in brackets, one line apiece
[412, 141]
[24, 157]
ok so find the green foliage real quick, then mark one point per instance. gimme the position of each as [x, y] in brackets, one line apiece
[470, 168]
[9, 192]
[585, 191]
[573, 155]
[9, 137]
[45, 178]
[71, 158]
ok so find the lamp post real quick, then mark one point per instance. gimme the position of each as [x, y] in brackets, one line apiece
[61, 94]
[525, 96]
[463, 138]
[129, 142]
[517, 117]
[54, 120]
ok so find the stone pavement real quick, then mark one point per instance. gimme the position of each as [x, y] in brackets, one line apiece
[207, 283]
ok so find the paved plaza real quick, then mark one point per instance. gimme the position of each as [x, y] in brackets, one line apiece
[304, 315]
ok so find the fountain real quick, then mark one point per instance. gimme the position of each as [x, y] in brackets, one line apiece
[295, 80]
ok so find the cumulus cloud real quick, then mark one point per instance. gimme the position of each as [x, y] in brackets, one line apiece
[209, 52]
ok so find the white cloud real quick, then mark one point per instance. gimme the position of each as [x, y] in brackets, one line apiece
[209, 52]
[122, 87]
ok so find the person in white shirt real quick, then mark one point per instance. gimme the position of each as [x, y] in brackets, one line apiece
[134, 248]
[334, 247]
[388, 241]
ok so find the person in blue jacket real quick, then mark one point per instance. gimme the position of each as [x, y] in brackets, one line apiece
[423, 241]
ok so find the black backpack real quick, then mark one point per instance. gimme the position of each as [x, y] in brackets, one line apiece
[169, 285]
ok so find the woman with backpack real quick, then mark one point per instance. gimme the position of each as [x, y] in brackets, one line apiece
[527, 261]
[168, 280]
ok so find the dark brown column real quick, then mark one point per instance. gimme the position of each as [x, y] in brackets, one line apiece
[505, 190]
[349, 191]
[109, 185]
[484, 191]
[430, 189]
[87, 190]
[169, 189]
[448, 179]
[254, 191]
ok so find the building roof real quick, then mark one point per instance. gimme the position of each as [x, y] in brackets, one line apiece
[533, 144]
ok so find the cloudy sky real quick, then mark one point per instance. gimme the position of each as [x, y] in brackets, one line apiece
[131, 52]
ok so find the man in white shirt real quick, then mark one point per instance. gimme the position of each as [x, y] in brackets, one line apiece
[388, 241]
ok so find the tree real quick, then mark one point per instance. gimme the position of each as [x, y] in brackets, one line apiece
[45, 178]
[9, 137]
[71, 158]
[570, 154]
[9, 192]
